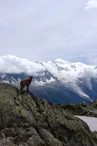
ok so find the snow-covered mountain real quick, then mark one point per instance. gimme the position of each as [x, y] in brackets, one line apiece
[59, 81]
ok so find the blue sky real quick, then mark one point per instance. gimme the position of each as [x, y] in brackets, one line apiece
[49, 29]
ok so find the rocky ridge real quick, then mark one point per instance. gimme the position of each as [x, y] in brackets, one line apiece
[26, 120]
[83, 109]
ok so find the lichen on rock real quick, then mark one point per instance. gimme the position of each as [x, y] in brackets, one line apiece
[26, 120]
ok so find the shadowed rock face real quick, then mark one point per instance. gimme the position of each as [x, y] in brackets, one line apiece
[26, 120]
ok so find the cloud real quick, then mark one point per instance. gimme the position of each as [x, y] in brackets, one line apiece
[13, 64]
[46, 29]
[91, 4]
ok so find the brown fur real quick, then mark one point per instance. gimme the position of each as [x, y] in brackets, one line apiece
[25, 83]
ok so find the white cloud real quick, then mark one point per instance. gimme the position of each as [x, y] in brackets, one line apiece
[46, 29]
[13, 64]
[91, 4]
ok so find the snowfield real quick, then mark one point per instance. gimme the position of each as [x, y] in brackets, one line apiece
[91, 122]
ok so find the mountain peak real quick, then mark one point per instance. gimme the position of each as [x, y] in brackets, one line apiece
[61, 61]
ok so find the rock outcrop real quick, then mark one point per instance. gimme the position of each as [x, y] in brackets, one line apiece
[81, 109]
[26, 120]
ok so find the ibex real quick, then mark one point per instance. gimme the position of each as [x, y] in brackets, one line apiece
[25, 83]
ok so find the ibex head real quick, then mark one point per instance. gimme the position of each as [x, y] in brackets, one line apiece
[30, 77]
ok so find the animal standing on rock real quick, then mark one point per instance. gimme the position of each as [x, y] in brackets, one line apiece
[25, 83]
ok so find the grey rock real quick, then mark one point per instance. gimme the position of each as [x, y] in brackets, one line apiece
[23, 144]
[8, 132]
[31, 131]
[49, 138]
[35, 141]
[29, 120]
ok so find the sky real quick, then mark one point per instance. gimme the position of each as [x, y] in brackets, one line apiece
[49, 29]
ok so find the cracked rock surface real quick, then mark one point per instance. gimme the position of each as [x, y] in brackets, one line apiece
[26, 120]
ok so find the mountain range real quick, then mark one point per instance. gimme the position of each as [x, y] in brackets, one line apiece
[59, 81]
